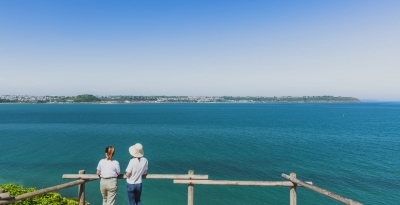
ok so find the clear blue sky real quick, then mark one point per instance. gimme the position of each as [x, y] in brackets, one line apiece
[201, 47]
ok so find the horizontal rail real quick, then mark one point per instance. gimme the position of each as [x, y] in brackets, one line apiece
[42, 191]
[235, 183]
[148, 176]
[4, 195]
[189, 179]
[321, 191]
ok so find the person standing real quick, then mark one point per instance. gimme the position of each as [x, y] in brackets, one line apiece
[108, 170]
[137, 167]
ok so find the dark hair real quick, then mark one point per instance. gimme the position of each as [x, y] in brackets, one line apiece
[109, 152]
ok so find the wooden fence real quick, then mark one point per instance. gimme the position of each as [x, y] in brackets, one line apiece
[190, 179]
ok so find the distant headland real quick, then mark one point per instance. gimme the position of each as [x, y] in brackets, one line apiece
[88, 98]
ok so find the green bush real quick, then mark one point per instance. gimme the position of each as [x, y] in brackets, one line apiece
[51, 198]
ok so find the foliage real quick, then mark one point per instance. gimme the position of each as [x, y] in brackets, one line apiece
[7, 101]
[86, 98]
[51, 198]
[80, 99]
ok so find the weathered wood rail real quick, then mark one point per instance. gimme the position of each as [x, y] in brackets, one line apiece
[190, 179]
[332, 195]
[6, 199]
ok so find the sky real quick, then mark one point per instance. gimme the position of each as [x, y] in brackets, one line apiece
[201, 48]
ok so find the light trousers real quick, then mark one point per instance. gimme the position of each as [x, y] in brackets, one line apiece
[108, 189]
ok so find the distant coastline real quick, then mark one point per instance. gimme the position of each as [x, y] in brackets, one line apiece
[88, 98]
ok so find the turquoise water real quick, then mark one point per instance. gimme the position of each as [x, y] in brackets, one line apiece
[350, 149]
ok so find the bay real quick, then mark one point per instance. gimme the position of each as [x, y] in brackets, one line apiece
[349, 149]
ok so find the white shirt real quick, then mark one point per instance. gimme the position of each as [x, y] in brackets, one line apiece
[136, 166]
[108, 168]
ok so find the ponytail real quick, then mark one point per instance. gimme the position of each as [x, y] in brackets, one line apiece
[109, 152]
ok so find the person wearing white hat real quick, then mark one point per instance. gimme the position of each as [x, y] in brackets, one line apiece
[137, 167]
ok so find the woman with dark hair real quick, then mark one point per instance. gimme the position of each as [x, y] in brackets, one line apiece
[108, 170]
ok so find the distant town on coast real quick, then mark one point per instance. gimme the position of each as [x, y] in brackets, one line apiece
[87, 98]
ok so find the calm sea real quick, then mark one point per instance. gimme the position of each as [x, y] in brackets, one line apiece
[350, 149]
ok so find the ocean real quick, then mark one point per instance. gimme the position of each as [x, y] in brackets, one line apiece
[349, 149]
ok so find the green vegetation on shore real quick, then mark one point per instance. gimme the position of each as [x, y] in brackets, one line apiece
[79, 99]
[8, 101]
[51, 198]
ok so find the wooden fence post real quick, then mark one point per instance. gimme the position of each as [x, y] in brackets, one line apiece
[293, 194]
[81, 191]
[190, 190]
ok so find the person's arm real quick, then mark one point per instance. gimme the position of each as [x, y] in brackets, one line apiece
[98, 169]
[146, 167]
[128, 174]
[128, 170]
[118, 169]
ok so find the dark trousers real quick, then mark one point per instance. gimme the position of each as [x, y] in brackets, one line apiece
[134, 192]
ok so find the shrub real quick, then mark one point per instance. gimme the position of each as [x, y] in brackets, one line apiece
[51, 198]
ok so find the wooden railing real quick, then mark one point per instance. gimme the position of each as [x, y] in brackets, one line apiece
[332, 195]
[6, 199]
[192, 182]
[190, 179]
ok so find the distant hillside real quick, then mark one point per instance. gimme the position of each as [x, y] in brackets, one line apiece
[6, 101]
[203, 99]
[304, 99]
[79, 99]
[87, 98]
[331, 99]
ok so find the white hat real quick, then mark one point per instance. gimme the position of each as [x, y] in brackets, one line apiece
[136, 150]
